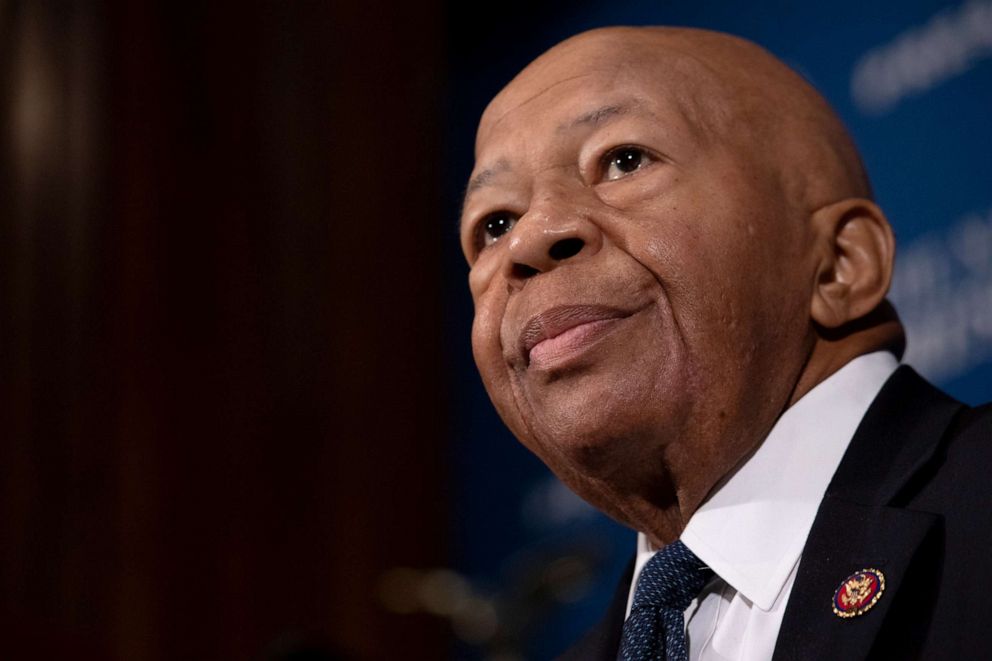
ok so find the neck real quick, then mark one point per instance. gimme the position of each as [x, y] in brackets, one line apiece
[834, 348]
[831, 350]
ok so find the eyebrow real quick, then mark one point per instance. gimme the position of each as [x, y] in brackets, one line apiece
[591, 118]
[597, 116]
[486, 176]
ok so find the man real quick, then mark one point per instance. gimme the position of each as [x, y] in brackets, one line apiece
[679, 279]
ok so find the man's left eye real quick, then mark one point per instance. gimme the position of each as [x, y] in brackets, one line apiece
[621, 162]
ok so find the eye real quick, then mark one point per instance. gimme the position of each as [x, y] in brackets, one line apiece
[494, 226]
[622, 161]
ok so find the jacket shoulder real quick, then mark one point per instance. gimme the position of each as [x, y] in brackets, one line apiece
[965, 459]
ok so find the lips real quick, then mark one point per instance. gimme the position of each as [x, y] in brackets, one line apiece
[561, 332]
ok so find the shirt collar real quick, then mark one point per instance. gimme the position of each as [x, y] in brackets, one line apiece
[752, 529]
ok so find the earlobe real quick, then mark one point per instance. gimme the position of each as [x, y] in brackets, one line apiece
[856, 250]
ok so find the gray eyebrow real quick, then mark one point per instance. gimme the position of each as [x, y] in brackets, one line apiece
[486, 176]
[593, 117]
[481, 180]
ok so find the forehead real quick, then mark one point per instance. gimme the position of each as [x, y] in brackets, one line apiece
[562, 90]
[555, 127]
[544, 113]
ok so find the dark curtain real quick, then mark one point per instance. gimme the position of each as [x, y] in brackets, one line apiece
[221, 415]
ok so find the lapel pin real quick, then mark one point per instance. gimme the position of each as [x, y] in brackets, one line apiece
[858, 593]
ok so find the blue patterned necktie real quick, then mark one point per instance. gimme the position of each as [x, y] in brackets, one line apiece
[655, 630]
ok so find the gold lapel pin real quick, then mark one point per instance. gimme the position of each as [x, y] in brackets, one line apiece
[858, 593]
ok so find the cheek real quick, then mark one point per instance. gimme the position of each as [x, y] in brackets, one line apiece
[717, 267]
[485, 334]
[480, 278]
[493, 369]
[487, 348]
[489, 299]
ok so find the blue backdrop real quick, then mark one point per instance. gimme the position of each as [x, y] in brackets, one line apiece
[913, 82]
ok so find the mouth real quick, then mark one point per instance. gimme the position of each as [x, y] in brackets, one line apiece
[553, 336]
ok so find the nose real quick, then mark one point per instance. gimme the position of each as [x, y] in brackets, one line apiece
[547, 236]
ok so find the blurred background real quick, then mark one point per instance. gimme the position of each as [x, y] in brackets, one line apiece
[238, 413]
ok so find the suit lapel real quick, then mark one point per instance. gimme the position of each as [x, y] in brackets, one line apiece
[849, 538]
[861, 524]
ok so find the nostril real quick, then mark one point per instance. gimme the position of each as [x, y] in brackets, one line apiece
[565, 248]
[522, 271]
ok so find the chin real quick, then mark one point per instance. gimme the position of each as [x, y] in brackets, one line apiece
[598, 421]
[597, 442]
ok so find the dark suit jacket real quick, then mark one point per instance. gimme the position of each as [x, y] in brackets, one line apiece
[912, 497]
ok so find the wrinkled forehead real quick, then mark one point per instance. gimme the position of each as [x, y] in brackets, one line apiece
[709, 89]
[574, 80]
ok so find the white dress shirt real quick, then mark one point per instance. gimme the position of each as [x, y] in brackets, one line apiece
[752, 529]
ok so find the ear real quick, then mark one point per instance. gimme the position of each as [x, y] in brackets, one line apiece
[856, 250]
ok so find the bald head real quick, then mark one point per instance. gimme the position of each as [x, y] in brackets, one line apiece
[731, 90]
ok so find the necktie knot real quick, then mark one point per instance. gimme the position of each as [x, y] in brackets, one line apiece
[669, 582]
[671, 578]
